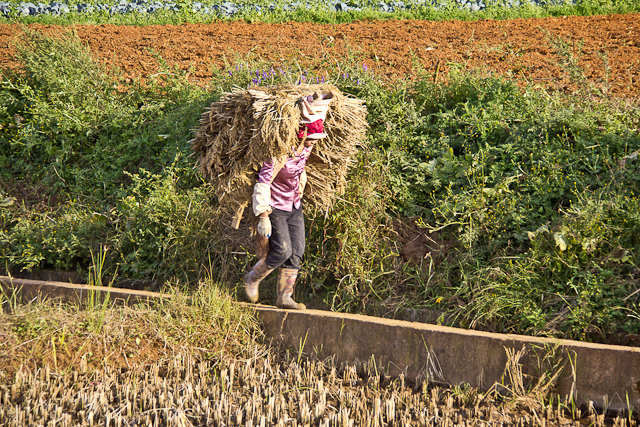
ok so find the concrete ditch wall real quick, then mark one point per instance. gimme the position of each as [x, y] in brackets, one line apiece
[593, 372]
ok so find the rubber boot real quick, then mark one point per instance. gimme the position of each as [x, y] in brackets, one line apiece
[253, 278]
[286, 286]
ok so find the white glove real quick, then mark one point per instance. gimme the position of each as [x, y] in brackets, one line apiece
[264, 226]
[261, 198]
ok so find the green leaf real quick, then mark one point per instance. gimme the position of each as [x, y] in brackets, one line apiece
[560, 241]
[542, 229]
[489, 191]
[589, 245]
[98, 217]
[7, 201]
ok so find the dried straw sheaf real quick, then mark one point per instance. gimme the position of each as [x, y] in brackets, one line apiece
[248, 127]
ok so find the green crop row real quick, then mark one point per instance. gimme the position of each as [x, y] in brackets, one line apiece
[527, 199]
[332, 11]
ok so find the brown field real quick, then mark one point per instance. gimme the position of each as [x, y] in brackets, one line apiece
[608, 47]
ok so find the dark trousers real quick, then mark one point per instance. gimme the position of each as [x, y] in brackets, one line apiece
[286, 244]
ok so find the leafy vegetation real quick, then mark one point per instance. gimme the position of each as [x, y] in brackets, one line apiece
[529, 196]
[329, 11]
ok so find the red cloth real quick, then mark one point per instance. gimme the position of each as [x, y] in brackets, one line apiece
[307, 129]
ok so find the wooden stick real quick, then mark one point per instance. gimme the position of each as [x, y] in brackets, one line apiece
[238, 216]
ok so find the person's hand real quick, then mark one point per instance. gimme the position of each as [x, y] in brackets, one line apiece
[315, 109]
[264, 226]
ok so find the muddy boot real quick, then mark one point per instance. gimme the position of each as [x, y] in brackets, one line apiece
[286, 286]
[253, 278]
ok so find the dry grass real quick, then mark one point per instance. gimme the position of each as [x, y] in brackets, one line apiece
[248, 127]
[264, 390]
[529, 391]
[206, 325]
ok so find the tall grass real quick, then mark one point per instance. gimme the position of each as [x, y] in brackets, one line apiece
[530, 196]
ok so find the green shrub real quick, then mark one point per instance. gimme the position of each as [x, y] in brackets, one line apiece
[162, 232]
[490, 165]
[32, 239]
[80, 131]
[578, 280]
[351, 252]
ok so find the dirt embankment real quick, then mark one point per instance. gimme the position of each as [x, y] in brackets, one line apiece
[608, 47]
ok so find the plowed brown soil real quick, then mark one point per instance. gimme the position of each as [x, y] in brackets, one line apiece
[608, 47]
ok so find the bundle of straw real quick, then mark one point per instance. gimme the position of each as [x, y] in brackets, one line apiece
[248, 127]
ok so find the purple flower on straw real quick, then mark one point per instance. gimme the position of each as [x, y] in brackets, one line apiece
[364, 66]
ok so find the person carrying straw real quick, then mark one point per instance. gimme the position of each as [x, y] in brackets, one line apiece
[277, 202]
[260, 146]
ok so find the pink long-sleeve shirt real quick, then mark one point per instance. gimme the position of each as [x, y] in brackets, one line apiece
[285, 186]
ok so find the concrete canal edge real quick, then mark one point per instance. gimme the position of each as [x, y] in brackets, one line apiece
[594, 372]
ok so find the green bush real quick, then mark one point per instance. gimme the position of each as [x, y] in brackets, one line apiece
[489, 165]
[162, 232]
[61, 240]
[351, 251]
[80, 129]
[579, 278]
